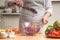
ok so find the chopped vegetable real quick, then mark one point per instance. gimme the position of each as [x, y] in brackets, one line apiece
[31, 30]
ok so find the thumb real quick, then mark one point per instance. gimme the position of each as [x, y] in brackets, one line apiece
[44, 21]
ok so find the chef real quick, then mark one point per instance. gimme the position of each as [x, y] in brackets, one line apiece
[35, 11]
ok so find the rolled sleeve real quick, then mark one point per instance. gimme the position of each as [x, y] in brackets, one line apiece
[48, 6]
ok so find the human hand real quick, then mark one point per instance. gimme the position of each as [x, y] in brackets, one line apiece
[19, 3]
[45, 20]
[46, 17]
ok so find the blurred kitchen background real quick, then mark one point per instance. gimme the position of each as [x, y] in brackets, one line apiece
[13, 20]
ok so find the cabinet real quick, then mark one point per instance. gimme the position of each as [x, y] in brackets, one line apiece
[9, 20]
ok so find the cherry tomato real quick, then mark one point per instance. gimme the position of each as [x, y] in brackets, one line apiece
[59, 33]
[54, 33]
[16, 30]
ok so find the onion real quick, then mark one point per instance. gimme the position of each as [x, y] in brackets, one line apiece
[31, 31]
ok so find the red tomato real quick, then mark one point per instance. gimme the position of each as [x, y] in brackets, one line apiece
[54, 33]
[59, 33]
[16, 30]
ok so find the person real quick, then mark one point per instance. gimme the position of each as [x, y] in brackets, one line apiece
[35, 11]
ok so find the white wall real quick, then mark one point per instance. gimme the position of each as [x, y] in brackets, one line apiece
[1, 2]
[56, 12]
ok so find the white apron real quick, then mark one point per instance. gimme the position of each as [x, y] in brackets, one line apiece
[32, 11]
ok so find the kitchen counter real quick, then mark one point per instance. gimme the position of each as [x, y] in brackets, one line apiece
[36, 37]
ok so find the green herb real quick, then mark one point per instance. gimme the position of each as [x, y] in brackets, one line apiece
[2, 7]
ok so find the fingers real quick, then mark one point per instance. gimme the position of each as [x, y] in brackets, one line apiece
[44, 20]
[19, 3]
